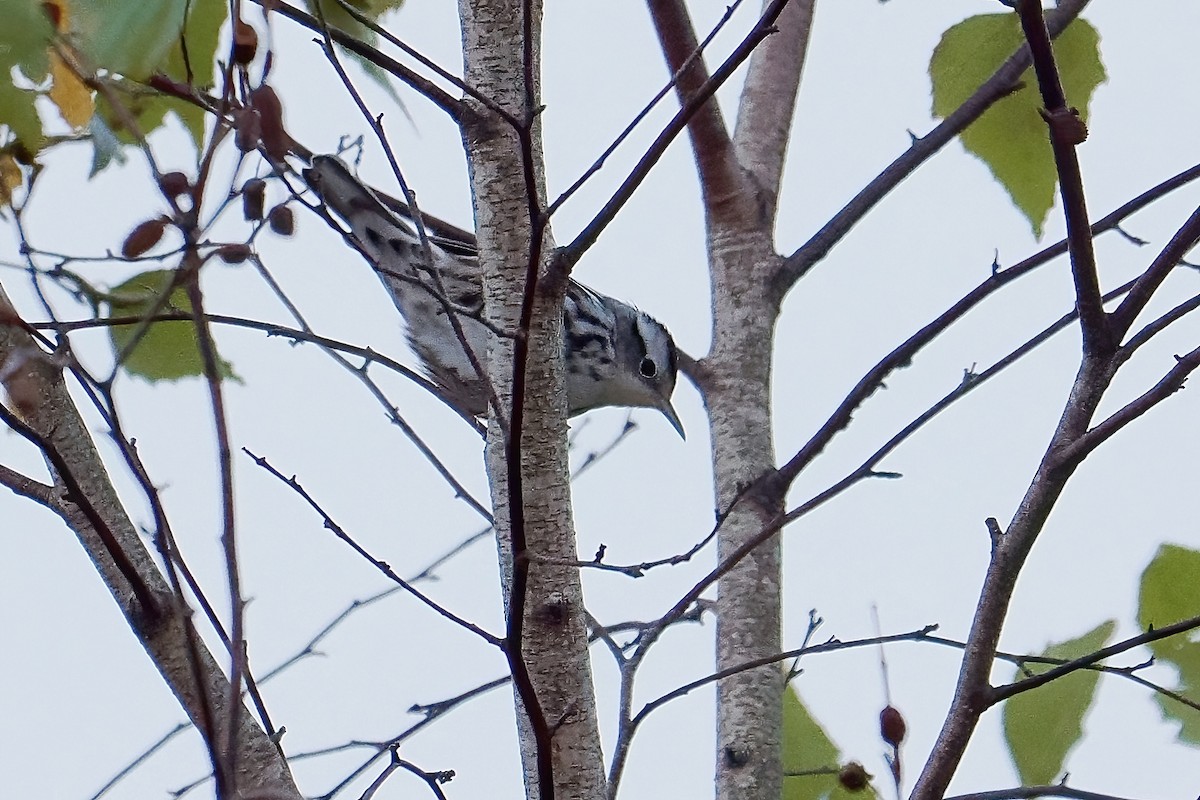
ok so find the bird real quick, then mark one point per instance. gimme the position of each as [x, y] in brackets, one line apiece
[614, 354]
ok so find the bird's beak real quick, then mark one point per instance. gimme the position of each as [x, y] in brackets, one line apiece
[672, 417]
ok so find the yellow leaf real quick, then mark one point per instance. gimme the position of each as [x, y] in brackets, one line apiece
[73, 98]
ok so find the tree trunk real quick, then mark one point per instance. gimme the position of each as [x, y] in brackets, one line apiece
[84, 497]
[546, 622]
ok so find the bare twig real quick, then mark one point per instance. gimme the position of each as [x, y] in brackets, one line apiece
[1001, 693]
[1097, 337]
[293, 484]
[922, 149]
[1028, 792]
[903, 354]
[763, 28]
[438, 96]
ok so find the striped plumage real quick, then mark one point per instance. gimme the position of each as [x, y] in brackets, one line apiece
[614, 354]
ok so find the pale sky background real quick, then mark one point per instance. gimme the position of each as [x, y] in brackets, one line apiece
[80, 698]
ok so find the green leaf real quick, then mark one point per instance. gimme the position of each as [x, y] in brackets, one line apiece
[128, 37]
[149, 108]
[166, 351]
[25, 36]
[1170, 593]
[202, 35]
[1043, 724]
[806, 747]
[1011, 137]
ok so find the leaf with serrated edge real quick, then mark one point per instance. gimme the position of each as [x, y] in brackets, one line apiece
[1043, 724]
[1011, 137]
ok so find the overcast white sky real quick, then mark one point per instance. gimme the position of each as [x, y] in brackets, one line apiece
[79, 697]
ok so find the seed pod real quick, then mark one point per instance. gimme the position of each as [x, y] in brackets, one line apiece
[249, 130]
[245, 43]
[892, 727]
[174, 184]
[143, 237]
[233, 253]
[270, 112]
[282, 220]
[853, 777]
[254, 195]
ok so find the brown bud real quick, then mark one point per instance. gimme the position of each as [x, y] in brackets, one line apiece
[281, 220]
[233, 253]
[853, 777]
[174, 184]
[143, 237]
[270, 112]
[892, 727]
[1066, 124]
[254, 195]
[245, 43]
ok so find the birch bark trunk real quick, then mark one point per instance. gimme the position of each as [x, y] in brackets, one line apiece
[546, 622]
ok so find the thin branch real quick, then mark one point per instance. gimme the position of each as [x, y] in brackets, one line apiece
[438, 96]
[433, 780]
[905, 353]
[830, 646]
[1170, 383]
[430, 64]
[271, 329]
[23, 485]
[141, 759]
[220, 419]
[641, 115]
[393, 412]
[293, 484]
[1029, 792]
[1181, 243]
[1065, 133]
[763, 28]
[711, 142]
[995, 88]
[1128, 673]
[1157, 326]
[1000, 693]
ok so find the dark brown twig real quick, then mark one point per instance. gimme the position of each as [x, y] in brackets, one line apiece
[1097, 337]
[587, 237]
[385, 568]
[995, 88]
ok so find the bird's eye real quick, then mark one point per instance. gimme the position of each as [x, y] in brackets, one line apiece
[648, 368]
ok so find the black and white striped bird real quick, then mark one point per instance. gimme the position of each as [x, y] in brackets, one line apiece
[614, 354]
